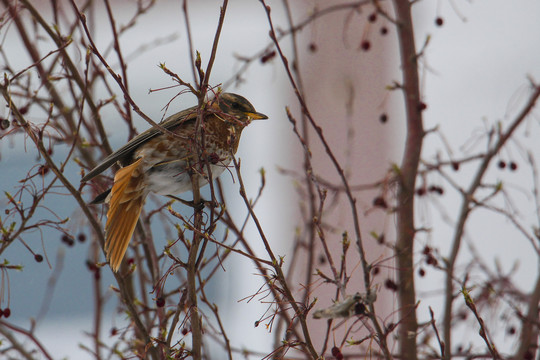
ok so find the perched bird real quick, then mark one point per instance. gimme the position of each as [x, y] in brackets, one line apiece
[161, 163]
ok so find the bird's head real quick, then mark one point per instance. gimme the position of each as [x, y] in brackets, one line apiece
[236, 108]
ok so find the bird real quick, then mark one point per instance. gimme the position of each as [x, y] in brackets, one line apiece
[162, 163]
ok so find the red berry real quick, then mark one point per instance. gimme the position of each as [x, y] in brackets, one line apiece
[43, 170]
[372, 17]
[436, 189]
[160, 302]
[390, 284]
[66, 239]
[431, 260]
[380, 202]
[365, 45]
[91, 266]
[268, 56]
[7, 312]
[38, 258]
[439, 21]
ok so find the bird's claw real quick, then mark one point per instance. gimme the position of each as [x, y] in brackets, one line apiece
[199, 206]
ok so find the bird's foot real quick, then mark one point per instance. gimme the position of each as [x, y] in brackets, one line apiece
[199, 206]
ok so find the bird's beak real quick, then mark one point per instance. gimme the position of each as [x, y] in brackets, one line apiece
[256, 116]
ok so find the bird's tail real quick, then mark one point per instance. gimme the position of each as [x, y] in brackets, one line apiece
[125, 204]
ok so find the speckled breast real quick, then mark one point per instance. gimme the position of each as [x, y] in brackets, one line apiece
[169, 163]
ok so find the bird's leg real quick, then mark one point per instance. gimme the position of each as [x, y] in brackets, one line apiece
[199, 206]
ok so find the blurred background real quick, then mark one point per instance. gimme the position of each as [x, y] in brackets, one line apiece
[477, 58]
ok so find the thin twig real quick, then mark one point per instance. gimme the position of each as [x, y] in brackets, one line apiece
[20, 347]
[466, 208]
[352, 201]
[301, 315]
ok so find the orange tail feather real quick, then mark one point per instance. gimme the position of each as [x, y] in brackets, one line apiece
[126, 201]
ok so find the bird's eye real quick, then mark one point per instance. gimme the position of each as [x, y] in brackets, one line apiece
[236, 106]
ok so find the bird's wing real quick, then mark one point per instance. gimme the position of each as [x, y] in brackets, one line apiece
[126, 150]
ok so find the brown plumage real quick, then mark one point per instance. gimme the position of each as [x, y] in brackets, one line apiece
[161, 163]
